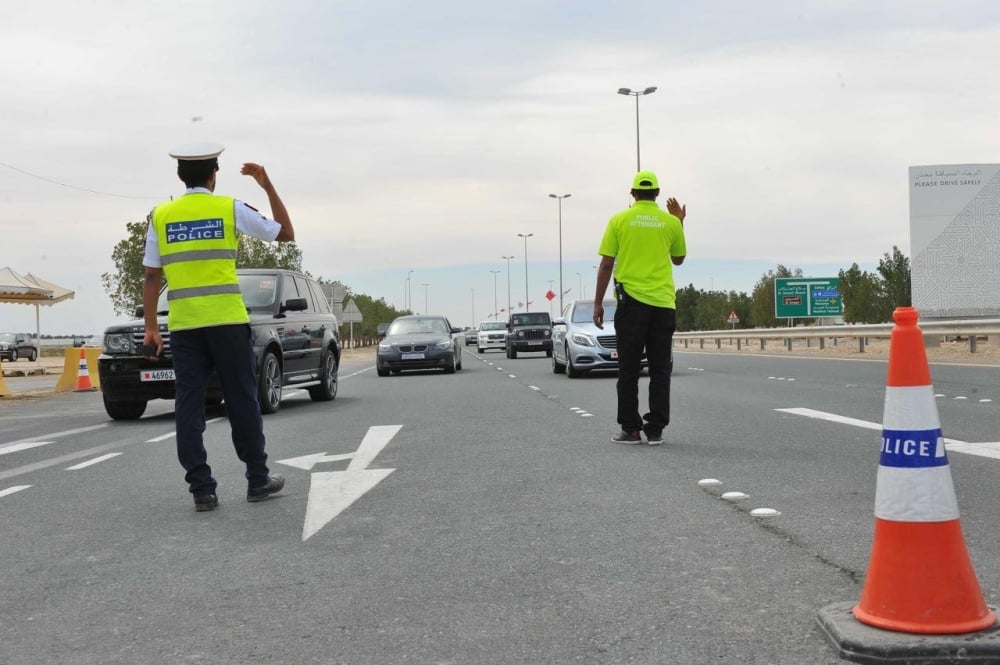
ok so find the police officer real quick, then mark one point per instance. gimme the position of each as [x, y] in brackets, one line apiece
[639, 248]
[192, 241]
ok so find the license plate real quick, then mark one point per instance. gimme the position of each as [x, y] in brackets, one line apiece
[157, 375]
[614, 355]
[413, 356]
[534, 342]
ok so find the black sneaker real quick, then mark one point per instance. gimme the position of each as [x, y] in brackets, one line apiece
[264, 492]
[630, 438]
[205, 502]
[654, 439]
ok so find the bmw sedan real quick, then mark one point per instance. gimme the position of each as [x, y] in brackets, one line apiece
[419, 342]
[579, 346]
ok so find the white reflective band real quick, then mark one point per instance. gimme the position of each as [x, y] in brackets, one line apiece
[911, 408]
[915, 495]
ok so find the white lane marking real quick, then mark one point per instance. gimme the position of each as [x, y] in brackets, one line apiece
[534, 387]
[377, 438]
[57, 435]
[15, 447]
[989, 449]
[985, 401]
[170, 435]
[584, 414]
[512, 376]
[12, 490]
[96, 460]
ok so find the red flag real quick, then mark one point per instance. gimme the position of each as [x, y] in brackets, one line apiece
[549, 294]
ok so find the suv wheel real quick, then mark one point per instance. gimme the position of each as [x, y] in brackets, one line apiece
[33, 355]
[124, 410]
[449, 368]
[512, 353]
[327, 388]
[269, 384]
[571, 371]
[13, 355]
[382, 371]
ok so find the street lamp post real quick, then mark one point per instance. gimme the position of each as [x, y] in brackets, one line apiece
[495, 312]
[508, 282]
[560, 199]
[425, 296]
[579, 279]
[409, 292]
[525, 236]
[637, 93]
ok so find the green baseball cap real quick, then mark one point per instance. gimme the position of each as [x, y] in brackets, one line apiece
[645, 180]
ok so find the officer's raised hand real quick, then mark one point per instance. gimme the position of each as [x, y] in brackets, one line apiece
[257, 172]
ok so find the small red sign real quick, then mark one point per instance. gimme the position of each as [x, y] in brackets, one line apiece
[549, 295]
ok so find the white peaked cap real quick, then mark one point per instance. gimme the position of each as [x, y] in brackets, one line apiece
[193, 152]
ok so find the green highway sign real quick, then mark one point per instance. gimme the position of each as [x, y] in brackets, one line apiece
[798, 297]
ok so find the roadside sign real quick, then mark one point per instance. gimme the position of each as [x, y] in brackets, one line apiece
[733, 318]
[351, 313]
[798, 297]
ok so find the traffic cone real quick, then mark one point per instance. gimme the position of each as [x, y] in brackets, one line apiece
[83, 383]
[920, 578]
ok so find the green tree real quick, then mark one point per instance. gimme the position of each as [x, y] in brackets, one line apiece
[124, 285]
[762, 300]
[896, 278]
[860, 291]
[687, 304]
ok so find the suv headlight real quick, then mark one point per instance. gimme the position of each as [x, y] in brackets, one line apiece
[583, 339]
[119, 343]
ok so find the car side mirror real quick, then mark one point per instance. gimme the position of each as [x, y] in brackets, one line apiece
[455, 331]
[140, 311]
[295, 305]
[559, 321]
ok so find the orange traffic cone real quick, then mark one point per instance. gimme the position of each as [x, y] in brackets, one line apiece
[83, 383]
[920, 578]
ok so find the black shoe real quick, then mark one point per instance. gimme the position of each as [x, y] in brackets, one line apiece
[654, 439]
[264, 492]
[631, 438]
[205, 502]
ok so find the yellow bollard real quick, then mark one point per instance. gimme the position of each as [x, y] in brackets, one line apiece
[4, 390]
[71, 367]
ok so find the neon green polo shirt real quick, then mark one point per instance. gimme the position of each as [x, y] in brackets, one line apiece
[642, 239]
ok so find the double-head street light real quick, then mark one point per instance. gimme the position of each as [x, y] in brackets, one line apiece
[637, 93]
[495, 312]
[425, 285]
[508, 258]
[560, 199]
[525, 236]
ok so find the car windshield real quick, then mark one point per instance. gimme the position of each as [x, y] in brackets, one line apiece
[584, 312]
[258, 292]
[7, 337]
[418, 325]
[541, 319]
[493, 325]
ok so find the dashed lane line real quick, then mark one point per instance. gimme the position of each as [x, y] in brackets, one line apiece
[96, 460]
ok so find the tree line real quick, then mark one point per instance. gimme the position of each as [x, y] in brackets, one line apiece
[867, 297]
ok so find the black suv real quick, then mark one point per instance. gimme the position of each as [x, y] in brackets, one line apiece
[17, 345]
[295, 338]
[529, 331]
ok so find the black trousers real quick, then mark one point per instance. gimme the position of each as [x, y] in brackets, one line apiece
[229, 351]
[640, 326]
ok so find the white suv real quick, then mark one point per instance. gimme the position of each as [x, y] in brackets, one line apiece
[492, 335]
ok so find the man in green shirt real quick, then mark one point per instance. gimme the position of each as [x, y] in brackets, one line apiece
[640, 247]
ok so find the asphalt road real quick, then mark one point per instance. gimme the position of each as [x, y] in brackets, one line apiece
[481, 517]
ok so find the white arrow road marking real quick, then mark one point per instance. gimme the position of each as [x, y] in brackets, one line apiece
[986, 449]
[332, 492]
[15, 488]
[307, 462]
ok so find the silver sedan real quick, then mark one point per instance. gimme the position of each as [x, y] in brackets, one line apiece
[579, 346]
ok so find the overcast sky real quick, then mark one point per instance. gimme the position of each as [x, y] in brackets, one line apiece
[425, 136]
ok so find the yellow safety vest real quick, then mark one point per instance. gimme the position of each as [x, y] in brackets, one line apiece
[197, 237]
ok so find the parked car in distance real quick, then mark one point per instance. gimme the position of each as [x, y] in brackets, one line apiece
[529, 331]
[491, 335]
[17, 345]
[296, 343]
[471, 335]
[578, 346]
[419, 341]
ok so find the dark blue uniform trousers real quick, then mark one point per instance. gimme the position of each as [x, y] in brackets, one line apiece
[640, 326]
[228, 350]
